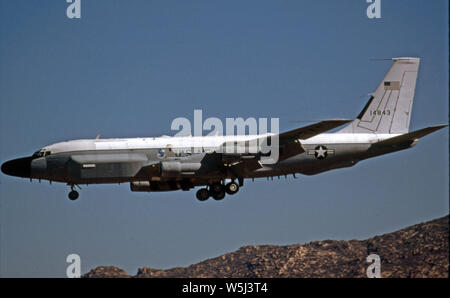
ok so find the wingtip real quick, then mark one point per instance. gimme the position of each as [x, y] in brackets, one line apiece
[343, 121]
[396, 59]
[439, 126]
[321, 120]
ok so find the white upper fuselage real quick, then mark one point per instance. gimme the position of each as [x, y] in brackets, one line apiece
[206, 142]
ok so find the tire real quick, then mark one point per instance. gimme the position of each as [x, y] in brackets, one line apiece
[219, 195]
[202, 194]
[73, 195]
[216, 188]
[232, 188]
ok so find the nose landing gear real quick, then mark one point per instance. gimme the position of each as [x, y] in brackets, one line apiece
[73, 194]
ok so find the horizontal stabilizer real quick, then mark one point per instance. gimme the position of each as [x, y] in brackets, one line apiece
[410, 137]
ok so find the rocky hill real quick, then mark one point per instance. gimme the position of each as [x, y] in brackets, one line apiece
[421, 250]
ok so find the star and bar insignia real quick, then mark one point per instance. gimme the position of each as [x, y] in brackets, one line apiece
[320, 152]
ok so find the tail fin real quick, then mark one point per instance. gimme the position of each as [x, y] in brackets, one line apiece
[389, 108]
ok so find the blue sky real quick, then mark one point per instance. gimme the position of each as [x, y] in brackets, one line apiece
[128, 68]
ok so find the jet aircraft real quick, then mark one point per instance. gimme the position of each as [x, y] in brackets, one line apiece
[153, 164]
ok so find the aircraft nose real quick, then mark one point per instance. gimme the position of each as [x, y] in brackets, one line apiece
[20, 167]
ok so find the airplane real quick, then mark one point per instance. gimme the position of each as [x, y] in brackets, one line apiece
[155, 164]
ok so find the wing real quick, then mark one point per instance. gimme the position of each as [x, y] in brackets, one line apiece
[290, 141]
[245, 155]
[241, 162]
[245, 166]
[312, 130]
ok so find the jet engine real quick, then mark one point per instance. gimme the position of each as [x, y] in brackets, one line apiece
[176, 168]
[147, 186]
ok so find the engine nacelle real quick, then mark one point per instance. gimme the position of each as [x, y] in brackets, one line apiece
[140, 186]
[147, 186]
[176, 168]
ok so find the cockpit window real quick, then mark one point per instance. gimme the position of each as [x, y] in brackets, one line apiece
[38, 154]
[41, 153]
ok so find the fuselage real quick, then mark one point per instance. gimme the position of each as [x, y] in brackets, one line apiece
[90, 161]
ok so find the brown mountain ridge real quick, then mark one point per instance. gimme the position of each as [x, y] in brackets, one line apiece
[418, 251]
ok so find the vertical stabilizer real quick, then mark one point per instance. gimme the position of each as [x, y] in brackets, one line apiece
[389, 108]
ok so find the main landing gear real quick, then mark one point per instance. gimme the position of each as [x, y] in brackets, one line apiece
[217, 191]
[73, 194]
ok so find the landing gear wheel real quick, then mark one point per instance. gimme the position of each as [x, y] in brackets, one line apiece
[219, 195]
[202, 194]
[73, 195]
[216, 188]
[232, 188]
